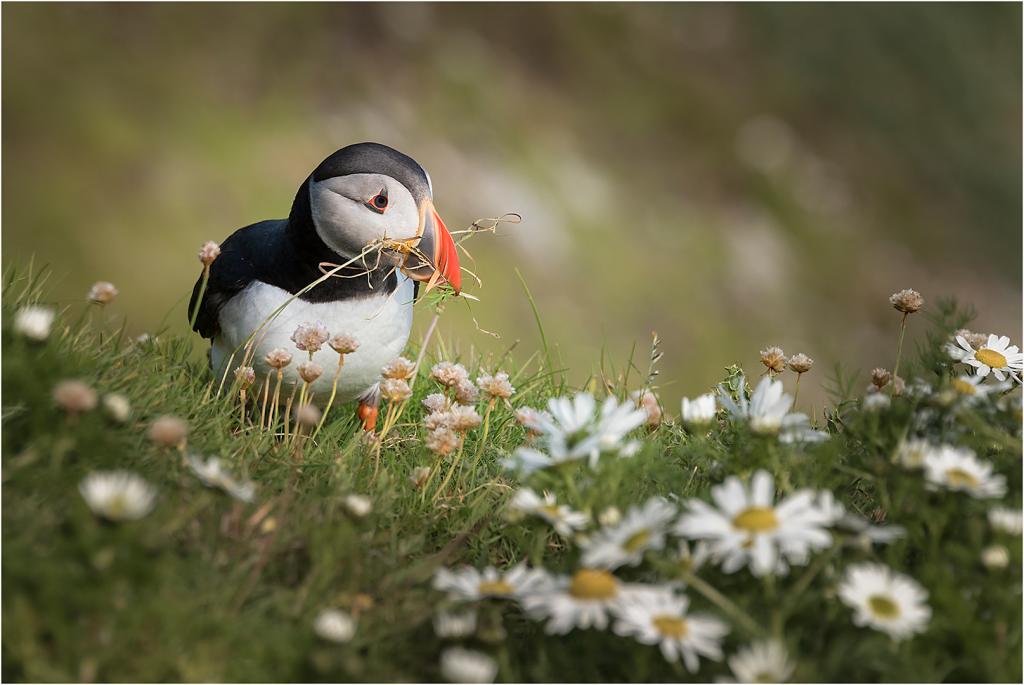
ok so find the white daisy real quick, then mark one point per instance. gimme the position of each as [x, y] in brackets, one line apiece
[576, 428]
[761, 662]
[767, 412]
[912, 453]
[34, 322]
[699, 411]
[455, 624]
[974, 388]
[584, 600]
[659, 617]
[1005, 520]
[640, 530]
[468, 583]
[334, 625]
[748, 528]
[213, 475]
[460, 665]
[885, 600]
[561, 517]
[117, 495]
[956, 468]
[997, 356]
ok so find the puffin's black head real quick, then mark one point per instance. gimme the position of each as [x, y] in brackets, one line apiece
[368, 191]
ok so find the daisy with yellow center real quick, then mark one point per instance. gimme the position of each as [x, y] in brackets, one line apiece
[659, 617]
[641, 529]
[885, 600]
[586, 599]
[956, 468]
[470, 584]
[747, 526]
[974, 388]
[997, 356]
[562, 518]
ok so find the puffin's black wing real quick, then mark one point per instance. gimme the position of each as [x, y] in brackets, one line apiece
[247, 255]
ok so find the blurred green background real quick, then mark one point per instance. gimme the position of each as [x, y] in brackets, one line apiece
[730, 176]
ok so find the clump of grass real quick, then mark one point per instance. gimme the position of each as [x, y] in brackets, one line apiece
[327, 569]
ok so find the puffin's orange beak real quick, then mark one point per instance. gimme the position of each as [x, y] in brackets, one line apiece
[437, 245]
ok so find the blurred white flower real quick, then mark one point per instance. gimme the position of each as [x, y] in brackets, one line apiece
[213, 475]
[660, 617]
[468, 583]
[455, 624]
[34, 322]
[699, 411]
[885, 600]
[875, 401]
[460, 665]
[761, 662]
[974, 388]
[912, 453]
[956, 468]
[117, 407]
[561, 517]
[1005, 520]
[747, 527]
[995, 557]
[997, 356]
[334, 625]
[610, 516]
[641, 529]
[102, 292]
[117, 495]
[358, 505]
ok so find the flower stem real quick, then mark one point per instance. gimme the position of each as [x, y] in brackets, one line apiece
[451, 470]
[483, 440]
[334, 391]
[796, 392]
[899, 352]
[723, 603]
[199, 299]
[266, 396]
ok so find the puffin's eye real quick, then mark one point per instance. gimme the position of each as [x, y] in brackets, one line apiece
[379, 202]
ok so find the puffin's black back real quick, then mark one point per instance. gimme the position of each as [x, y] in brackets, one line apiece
[287, 252]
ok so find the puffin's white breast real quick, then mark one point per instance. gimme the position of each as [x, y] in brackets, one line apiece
[381, 324]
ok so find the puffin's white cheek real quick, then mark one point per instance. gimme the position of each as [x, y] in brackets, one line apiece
[342, 224]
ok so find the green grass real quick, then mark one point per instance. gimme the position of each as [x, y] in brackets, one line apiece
[209, 589]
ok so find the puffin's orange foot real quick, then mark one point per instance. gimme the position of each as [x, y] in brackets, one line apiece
[367, 413]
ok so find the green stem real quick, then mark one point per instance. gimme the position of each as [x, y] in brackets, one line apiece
[796, 392]
[199, 299]
[723, 603]
[451, 470]
[330, 401]
[899, 352]
[483, 441]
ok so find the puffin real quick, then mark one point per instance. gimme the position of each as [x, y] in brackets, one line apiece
[353, 200]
